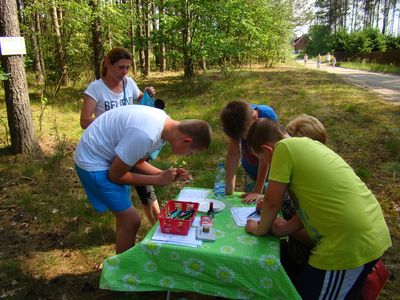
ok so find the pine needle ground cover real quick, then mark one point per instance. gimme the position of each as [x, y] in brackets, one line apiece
[52, 241]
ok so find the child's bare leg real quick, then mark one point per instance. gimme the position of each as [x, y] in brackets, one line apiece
[152, 211]
[127, 225]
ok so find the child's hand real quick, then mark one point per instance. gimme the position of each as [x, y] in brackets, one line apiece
[167, 176]
[182, 175]
[249, 198]
[278, 228]
[251, 226]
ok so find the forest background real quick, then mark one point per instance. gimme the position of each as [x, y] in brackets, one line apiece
[196, 54]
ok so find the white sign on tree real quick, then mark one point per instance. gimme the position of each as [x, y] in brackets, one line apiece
[12, 45]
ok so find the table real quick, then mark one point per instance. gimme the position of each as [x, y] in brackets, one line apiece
[237, 265]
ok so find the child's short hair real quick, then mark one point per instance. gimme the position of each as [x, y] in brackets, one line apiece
[198, 130]
[236, 118]
[264, 131]
[307, 126]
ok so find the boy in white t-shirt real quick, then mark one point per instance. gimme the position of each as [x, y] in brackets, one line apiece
[123, 138]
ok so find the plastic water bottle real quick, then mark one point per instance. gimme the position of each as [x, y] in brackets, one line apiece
[219, 185]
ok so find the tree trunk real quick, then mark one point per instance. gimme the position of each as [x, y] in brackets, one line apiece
[346, 10]
[60, 20]
[398, 23]
[19, 115]
[394, 18]
[139, 35]
[204, 64]
[20, 7]
[132, 37]
[98, 51]
[187, 59]
[352, 17]
[386, 6]
[59, 48]
[146, 7]
[162, 60]
[155, 31]
[37, 67]
[378, 13]
[38, 31]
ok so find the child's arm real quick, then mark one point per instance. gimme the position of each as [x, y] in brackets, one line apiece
[120, 173]
[143, 167]
[271, 205]
[293, 228]
[259, 186]
[261, 176]
[281, 227]
[232, 163]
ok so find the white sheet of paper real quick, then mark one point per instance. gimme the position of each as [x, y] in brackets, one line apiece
[196, 222]
[182, 240]
[240, 214]
[192, 195]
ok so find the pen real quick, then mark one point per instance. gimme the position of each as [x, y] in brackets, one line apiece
[254, 213]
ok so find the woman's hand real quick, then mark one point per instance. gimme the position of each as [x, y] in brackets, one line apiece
[150, 90]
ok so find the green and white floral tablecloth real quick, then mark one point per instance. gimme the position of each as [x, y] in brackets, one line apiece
[237, 265]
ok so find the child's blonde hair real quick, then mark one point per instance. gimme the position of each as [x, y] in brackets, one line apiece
[307, 126]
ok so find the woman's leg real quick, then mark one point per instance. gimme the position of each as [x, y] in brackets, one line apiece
[127, 225]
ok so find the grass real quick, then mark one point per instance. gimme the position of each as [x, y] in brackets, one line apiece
[51, 240]
[371, 66]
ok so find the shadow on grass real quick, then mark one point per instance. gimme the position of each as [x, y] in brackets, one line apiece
[17, 285]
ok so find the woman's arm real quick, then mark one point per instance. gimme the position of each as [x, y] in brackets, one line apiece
[87, 111]
[151, 90]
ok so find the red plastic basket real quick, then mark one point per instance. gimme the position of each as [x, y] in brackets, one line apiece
[176, 226]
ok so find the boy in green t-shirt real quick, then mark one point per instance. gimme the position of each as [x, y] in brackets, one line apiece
[338, 211]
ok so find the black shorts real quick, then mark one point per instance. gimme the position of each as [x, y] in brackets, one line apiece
[146, 194]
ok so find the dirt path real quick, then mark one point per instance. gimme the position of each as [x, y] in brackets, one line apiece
[385, 85]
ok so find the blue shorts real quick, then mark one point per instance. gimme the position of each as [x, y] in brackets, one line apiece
[104, 194]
